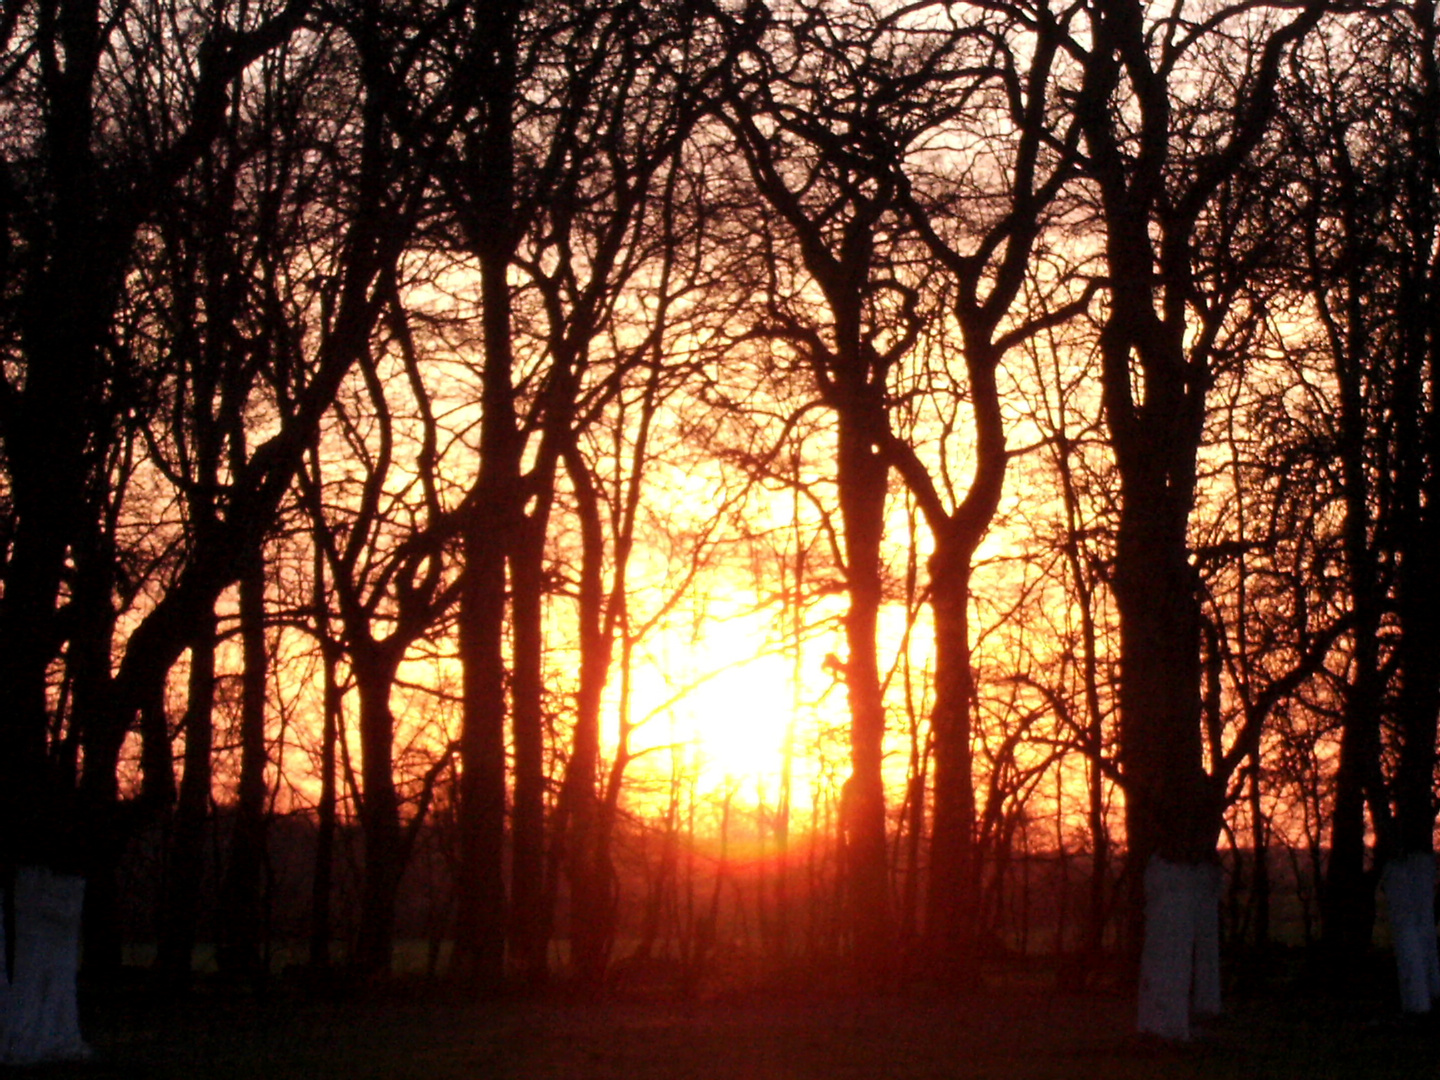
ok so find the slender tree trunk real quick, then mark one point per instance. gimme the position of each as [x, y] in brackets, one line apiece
[192, 814]
[1100, 862]
[955, 864]
[1094, 726]
[530, 921]
[1260, 886]
[580, 803]
[323, 876]
[241, 920]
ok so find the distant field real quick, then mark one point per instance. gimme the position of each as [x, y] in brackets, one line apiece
[219, 1034]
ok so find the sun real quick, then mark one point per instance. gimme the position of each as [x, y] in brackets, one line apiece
[727, 697]
[740, 719]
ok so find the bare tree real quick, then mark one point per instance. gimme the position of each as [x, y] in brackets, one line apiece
[1163, 165]
[984, 228]
[86, 200]
[1365, 152]
[836, 293]
[382, 546]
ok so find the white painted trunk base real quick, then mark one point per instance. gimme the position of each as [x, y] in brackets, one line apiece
[1205, 987]
[1180, 961]
[39, 1020]
[1410, 901]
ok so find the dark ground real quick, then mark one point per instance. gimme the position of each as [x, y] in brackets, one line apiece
[999, 1031]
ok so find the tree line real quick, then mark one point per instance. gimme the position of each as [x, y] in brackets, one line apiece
[382, 378]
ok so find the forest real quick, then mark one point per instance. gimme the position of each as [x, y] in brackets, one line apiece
[694, 493]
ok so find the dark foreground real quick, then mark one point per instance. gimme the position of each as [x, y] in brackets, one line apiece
[215, 1033]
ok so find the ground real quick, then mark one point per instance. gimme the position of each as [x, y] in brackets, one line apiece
[998, 1032]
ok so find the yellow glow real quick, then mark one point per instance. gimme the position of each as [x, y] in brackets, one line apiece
[723, 695]
[737, 718]
[730, 696]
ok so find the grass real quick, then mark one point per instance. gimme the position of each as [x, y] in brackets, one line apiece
[998, 1032]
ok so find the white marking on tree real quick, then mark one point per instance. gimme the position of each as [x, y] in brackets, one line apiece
[39, 1017]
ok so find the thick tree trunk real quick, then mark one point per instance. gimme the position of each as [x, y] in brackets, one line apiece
[1419, 700]
[862, 475]
[954, 896]
[1410, 898]
[39, 1015]
[480, 888]
[38, 820]
[1180, 964]
[102, 731]
[488, 531]
[1410, 878]
[104, 839]
[1348, 909]
[1156, 352]
[379, 815]
[1172, 809]
[64, 310]
[1173, 806]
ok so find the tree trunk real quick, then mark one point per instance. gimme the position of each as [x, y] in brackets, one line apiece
[1410, 898]
[1348, 909]
[101, 724]
[1180, 965]
[1172, 811]
[487, 533]
[240, 919]
[954, 897]
[530, 921]
[192, 814]
[862, 475]
[480, 885]
[39, 1014]
[322, 881]
[579, 824]
[1260, 886]
[1173, 807]
[379, 812]
[104, 835]
[1418, 584]
[1094, 728]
